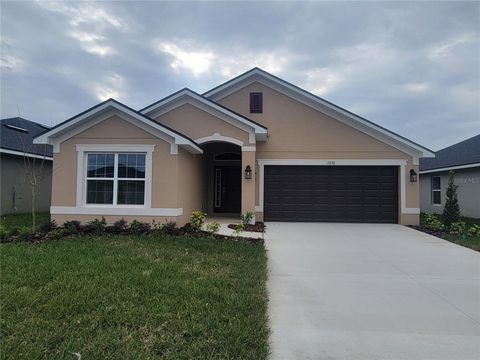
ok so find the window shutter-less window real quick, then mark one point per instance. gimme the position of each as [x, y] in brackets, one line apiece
[256, 102]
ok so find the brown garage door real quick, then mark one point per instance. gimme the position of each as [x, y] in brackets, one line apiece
[331, 193]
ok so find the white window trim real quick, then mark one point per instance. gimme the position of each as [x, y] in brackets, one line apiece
[432, 190]
[81, 208]
[337, 162]
[82, 150]
[115, 180]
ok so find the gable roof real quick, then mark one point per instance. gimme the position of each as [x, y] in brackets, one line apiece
[463, 154]
[48, 135]
[258, 75]
[192, 97]
[16, 137]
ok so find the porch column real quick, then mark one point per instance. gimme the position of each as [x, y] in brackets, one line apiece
[248, 185]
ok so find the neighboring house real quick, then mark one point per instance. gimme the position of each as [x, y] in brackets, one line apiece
[463, 159]
[253, 144]
[17, 154]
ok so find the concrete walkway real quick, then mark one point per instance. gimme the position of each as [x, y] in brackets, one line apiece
[360, 291]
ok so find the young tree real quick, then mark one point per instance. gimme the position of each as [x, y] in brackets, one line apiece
[451, 211]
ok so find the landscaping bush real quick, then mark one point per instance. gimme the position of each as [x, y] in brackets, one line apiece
[247, 218]
[457, 228]
[197, 220]
[59, 233]
[25, 233]
[138, 227]
[169, 228]
[48, 226]
[238, 229]
[96, 226]
[474, 231]
[72, 226]
[118, 227]
[451, 211]
[213, 227]
[432, 222]
[4, 234]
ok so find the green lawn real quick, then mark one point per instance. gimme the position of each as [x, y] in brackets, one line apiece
[15, 221]
[133, 298]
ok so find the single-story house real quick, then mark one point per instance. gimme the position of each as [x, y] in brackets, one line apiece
[463, 159]
[256, 143]
[18, 155]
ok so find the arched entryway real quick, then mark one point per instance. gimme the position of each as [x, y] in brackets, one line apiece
[223, 173]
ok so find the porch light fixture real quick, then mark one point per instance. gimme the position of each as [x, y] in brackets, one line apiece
[413, 176]
[248, 172]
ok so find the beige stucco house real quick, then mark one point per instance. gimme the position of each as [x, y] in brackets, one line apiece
[253, 144]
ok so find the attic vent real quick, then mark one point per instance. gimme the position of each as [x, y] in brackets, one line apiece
[16, 128]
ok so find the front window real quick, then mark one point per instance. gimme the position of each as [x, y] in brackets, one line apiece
[436, 190]
[115, 178]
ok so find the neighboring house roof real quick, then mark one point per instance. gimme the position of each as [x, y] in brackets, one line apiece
[189, 96]
[337, 112]
[461, 155]
[16, 137]
[65, 128]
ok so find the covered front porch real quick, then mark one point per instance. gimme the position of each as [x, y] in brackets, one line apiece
[229, 180]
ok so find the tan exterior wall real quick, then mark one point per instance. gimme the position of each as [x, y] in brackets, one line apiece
[191, 185]
[196, 123]
[165, 169]
[297, 131]
[61, 219]
[248, 186]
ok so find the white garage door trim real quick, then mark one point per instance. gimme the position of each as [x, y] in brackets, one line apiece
[337, 162]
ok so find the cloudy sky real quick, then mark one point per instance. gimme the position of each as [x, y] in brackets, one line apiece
[411, 67]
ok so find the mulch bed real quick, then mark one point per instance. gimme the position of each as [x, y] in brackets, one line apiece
[257, 227]
[438, 233]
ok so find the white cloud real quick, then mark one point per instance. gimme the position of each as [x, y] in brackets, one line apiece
[446, 49]
[11, 63]
[320, 81]
[93, 43]
[417, 87]
[112, 86]
[196, 61]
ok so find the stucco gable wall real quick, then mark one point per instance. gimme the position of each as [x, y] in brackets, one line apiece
[196, 123]
[115, 131]
[295, 127]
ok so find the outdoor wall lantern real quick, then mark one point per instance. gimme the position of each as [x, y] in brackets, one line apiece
[413, 176]
[248, 172]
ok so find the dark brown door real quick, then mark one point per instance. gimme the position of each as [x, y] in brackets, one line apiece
[331, 193]
[227, 189]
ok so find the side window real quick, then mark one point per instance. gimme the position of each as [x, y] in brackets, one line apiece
[256, 102]
[436, 190]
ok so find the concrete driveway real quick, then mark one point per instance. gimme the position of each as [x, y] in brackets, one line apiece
[361, 291]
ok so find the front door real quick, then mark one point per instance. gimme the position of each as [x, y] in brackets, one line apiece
[227, 189]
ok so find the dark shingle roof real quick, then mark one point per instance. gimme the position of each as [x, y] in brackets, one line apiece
[17, 134]
[463, 153]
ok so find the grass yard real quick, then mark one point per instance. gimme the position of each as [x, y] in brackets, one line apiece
[15, 221]
[136, 297]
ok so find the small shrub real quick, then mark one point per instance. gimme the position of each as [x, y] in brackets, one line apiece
[238, 229]
[457, 228]
[72, 226]
[138, 227]
[451, 210]
[197, 220]
[119, 226]
[169, 228]
[59, 233]
[431, 221]
[25, 233]
[4, 234]
[213, 227]
[247, 218]
[47, 226]
[474, 231]
[96, 226]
